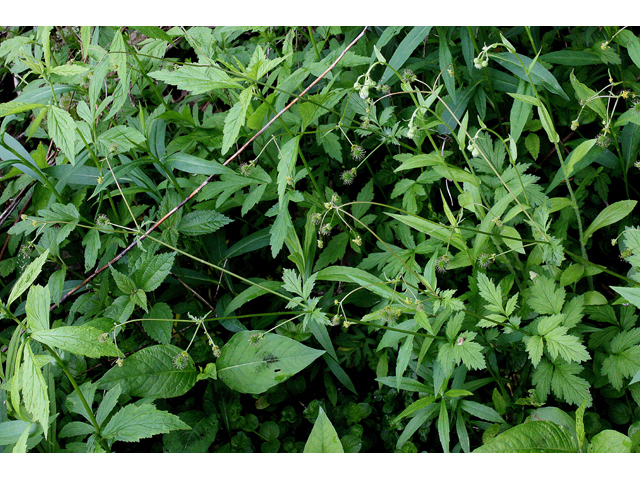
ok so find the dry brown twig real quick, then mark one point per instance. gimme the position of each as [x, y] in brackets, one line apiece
[202, 185]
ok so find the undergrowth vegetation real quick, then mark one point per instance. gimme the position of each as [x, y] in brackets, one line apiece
[319, 239]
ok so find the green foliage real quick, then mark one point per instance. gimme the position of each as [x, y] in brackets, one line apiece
[219, 238]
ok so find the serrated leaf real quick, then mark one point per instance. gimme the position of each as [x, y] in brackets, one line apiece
[195, 79]
[254, 367]
[334, 251]
[235, 119]
[323, 437]
[76, 429]
[567, 346]
[81, 340]
[158, 323]
[630, 294]
[531, 437]
[11, 108]
[120, 309]
[151, 273]
[133, 422]
[62, 130]
[34, 390]
[151, 372]
[107, 404]
[202, 222]
[37, 308]
[124, 137]
[197, 440]
[545, 298]
[534, 347]
[611, 214]
[287, 163]
[123, 282]
[28, 277]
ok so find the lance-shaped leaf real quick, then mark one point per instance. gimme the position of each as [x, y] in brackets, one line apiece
[153, 372]
[235, 119]
[611, 214]
[250, 364]
[34, 390]
[37, 308]
[323, 437]
[62, 130]
[28, 277]
[81, 340]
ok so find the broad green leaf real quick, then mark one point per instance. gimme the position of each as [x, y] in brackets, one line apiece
[28, 277]
[10, 430]
[235, 119]
[123, 137]
[532, 142]
[133, 422]
[334, 251]
[250, 364]
[611, 214]
[443, 427]
[34, 390]
[571, 58]
[323, 437]
[196, 79]
[202, 222]
[629, 40]
[198, 439]
[589, 96]
[414, 38]
[37, 308]
[610, 441]
[520, 110]
[519, 64]
[81, 340]
[62, 130]
[151, 273]
[74, 429]
[123, 282]
[531, 437]
[630, 294]
[572, 274]
[153, 372]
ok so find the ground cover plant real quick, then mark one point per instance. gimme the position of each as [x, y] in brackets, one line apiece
[319, 239]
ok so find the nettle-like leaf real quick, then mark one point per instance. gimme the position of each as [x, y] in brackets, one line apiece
[28, 277]
[152, 272]
[62, 130]
[533, 437]
[154, 371]
[624, 360]
[235, 119]
[202, 222]
[546, 298]
[196, 79]
[80, 340]
[158, 323]
[132, 423]
[253, 362]
[196, 440]
[37, 308]
[35, 390]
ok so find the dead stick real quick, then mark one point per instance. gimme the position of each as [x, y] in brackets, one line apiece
[233, 157]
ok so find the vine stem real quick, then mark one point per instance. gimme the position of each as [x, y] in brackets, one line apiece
[202, 185]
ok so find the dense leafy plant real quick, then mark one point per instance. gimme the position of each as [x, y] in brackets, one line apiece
[328, 239]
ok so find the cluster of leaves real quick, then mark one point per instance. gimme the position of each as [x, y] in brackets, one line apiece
[440, 266]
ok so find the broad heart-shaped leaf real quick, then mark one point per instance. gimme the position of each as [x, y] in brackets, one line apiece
[531, 437]
[81, 340]
[28, 277]
[611, 214]
[323, 437]
[151, 372]
[134, 422]
[249, 364]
